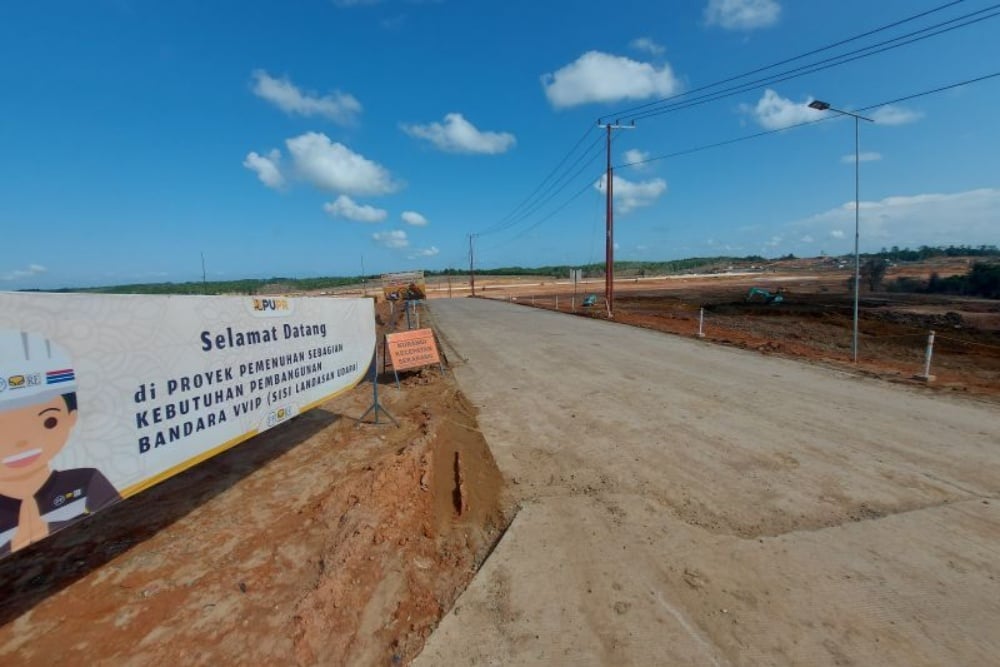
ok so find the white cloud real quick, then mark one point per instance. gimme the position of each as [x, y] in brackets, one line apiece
[601, 77]
[630, 195]
[807, 239]
[648, 45]
[633, 156]
[266, 167]
[774, 112]
[424, 252]
[345, 207]
[413, 218]
[333, 166]
[870, 156]
[457, 135]
[893, 115]
[913, 220]
[742, 14]
[339, 107]
[394, 239]
[17, 274]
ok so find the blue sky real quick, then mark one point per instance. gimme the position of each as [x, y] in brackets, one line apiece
[295, 138]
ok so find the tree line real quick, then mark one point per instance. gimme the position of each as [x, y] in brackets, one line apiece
[623, 268]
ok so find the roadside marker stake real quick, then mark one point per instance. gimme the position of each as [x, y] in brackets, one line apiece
[701, 322]
[927, 377]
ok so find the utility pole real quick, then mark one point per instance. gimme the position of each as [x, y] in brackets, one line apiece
[472, 264]
[364, 285]
[204, 280]
[609, 252]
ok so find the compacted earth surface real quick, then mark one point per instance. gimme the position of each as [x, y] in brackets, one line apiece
[324, 541]
[813, 321]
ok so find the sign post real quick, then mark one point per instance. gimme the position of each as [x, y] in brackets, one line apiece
[412, 349]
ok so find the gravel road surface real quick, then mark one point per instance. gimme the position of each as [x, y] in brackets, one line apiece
[684, 503]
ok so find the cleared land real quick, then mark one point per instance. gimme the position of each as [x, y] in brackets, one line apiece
[813, 322]
[686, 503]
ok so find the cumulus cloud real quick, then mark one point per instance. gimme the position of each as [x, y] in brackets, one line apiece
[602, 77]
[339, 107]
[895, 115]
[933, 219]
[333, 166]
[457, 135]
[394, 239]
[267, 167]
[414, 218]
[774, 112]
[424, 252]
[742, 14]
[345, 207]
[648, 45]
[633, 194]
[633, 156]
[31, 270]
[869, 156]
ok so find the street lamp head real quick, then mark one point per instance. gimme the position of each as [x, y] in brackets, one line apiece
[819, 105]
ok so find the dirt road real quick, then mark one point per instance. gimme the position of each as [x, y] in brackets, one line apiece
[684, 503]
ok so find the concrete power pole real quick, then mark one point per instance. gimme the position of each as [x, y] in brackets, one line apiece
[204, 279]
[472, 264]
[609, 252]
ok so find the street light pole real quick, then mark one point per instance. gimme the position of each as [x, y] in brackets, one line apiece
[824, 106]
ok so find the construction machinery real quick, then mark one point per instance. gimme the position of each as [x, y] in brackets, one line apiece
[761, 295]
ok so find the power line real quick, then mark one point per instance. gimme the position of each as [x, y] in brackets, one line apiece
[718, 144]
[551, 214]
[888, 26]
[705, 147]
[932, 91]
[827, 63]
[500, 224]
[542, 195]
[586, 186]
[592, 155]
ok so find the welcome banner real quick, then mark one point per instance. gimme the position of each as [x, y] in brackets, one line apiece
[102, 396]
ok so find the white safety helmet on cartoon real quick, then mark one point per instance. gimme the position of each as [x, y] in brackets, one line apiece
[33, 369]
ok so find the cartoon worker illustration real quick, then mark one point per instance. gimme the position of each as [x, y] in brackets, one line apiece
[38, 410]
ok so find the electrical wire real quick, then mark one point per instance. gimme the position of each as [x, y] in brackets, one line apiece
[824, 64]
[541, 195]
[698, 149]
[501, 224]
[848, 40]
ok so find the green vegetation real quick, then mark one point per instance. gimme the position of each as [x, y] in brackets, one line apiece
[628, 268]
[245, 286]
[978, 282]
[928, 252]
[982, 280]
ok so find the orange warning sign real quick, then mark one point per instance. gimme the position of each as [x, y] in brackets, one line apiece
[412, 349]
